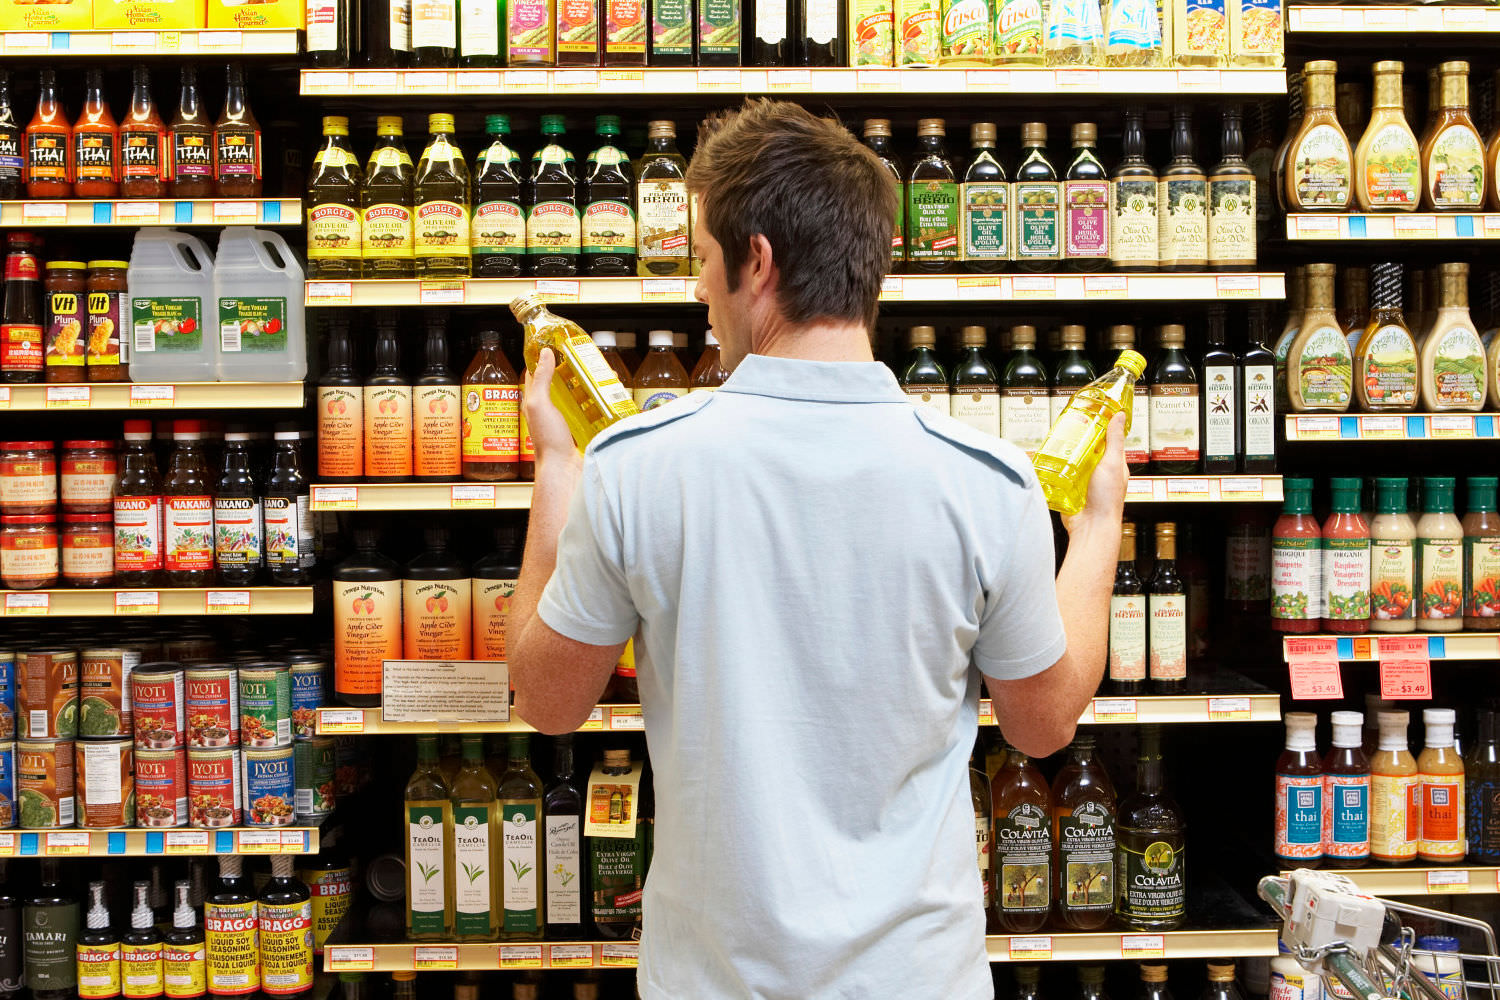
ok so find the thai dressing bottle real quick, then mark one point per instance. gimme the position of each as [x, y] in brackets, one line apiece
[1385, 356]
[1481, 555]
[1346, 561]
[1395, 794]
[1453, 363]
[1482, 774]
[1452, 152]
[1319, 165]
[1319, 367]
[1299, 795]
[1083, 833]
[1441, 772]
[1021, 807]
[1440, 559]
[1388, 161]
[1346, 796]
[1393, 536]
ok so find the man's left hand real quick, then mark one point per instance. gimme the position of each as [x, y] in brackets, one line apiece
[549, 431]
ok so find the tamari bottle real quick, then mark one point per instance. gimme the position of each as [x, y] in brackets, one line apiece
[1182, 202]
[663, 229]
[1071, 369]
[1022, 837]
[1482, 775]
[1127, 622]
[1219, 430]
[366, 620]
[497, 232]
[1025, 405]
[12, 967]
[1150, 868]
[1346, 561]
[924, 381]
[975, 396]
[1452, 365]
[1231, 202]
[1481, 555]
[429, 848]
[386, 200]
[553, 233]
[588, 393]
[1452, 152]
[877, 134]
[49, 144]
[984, 228]
[1299, 795]
[143, 149]
[190, 143]
[237, 159]
[1038, 201]
[437, 410]
[1319, 366]
[491, 446]
[1167, 616]
[187, 510]
[932, 244]
[1385, 355]
[1319, 165]
[238, 537]
[562, 850]
[1388, 161]
[608, 198]
[1083, 831]
[1133, 189]
[387, 409]
[1393, 559]
[520, 798]
[440, 228]
[96, 143]
[1441, 771]
[289, 530]
[476, 877]
[1346, 796]
[1395, 794]
[1440, 559]
[1086, 204]
[332, 200]
[98, 950]
[1174, 407]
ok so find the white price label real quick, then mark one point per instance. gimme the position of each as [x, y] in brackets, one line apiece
[472, 495]
[575, 79]
[620, 955]
[1448, 881]
[428, 82]
[137, 602]
[137, 210]
[227, 600]
[1188, 487]
[1229, 708]
[27, 604]
[153, 395]
[28, 40]
[441, 293]
[324, 83]
[333, 721]
[350, 958]
[133, 39]
[43, 211]
[470, 82]
[220, 40]
[186, 841]
[68, 396]
[231, 210]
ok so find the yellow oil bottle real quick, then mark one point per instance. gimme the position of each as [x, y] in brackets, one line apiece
[585, 388]
[1075, 443]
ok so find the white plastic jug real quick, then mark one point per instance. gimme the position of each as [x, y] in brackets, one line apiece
[258, 292]
[172, 320]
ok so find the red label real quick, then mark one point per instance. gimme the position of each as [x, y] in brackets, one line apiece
[20, 347]
[20, 266]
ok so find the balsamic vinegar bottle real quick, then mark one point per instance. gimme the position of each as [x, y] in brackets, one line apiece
[1219, 421]
[1257, 409]
[770, 25]
[1127, 622]
[820, 32]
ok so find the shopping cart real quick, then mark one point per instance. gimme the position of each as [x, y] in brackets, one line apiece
[1336, 931]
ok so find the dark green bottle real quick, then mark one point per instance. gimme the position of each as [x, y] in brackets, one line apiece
[499, 226]
[49, 929]
[932, 204]
[553, 232]
[608, 198]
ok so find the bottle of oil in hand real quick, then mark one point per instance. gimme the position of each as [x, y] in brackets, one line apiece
[585, 388]
[1066, 459]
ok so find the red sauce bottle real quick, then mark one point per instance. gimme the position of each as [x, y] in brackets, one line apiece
[1296, 562]
[143, 137]
[96, 144]
[237, 163]
[49, 144]
[1346, 561]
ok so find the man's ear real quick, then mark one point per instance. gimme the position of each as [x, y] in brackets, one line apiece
[759, 262]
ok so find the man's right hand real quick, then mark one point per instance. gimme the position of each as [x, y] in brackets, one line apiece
[549, 431]
[1105, 503]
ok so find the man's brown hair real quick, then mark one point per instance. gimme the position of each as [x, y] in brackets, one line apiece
[821, 199]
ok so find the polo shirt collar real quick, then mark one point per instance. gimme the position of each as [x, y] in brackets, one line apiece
[827, 381]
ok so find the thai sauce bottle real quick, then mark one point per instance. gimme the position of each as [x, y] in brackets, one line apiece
[1299, 795]
[190, 143]
[1346, 561]
[1346, 796]
[497, 233]
[1395, 794]
[491, 450]
[437, 410]
[585, 387]
[1481, 555]
[49, 144]
[1083, 832]
[1021, 807]
[366, 620]
[1441, 772]
[143, 142]
[1319, 165]
[1393, 559]
[1385, 355]
[188, 510]
[387, 409]
[237, 159]
[96, 143]
[1296, 562]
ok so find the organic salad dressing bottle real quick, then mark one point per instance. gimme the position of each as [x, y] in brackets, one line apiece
[1393, 537]
[1395, 803]
[1452, 152]
[1319, 369]
[1388, 161]
[1441, 772]
[1453, 371]
[1346, 561]
[1492, 167]
[1481, 554]
[1319, 166]
[1354, 300]
[1440, 559]
[1385, 356]
[1296, 295]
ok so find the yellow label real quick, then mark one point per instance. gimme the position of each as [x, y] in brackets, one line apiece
[333, 231]
[286, 948]
[331, 889]
[441, 229]
[1395, 816]
[99, 970]
[184, 969]
[141, 969]
[386, 231]
[232, 946]
[492, 423]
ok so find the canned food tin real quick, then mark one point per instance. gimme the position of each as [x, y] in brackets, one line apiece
[48, 699]
[160, 788]
[213, 706]
[106, 783]
[104, 691]
[270, 787]
[315, 763]
[309, 693]
[265, 705]
[44, 783]
[158, 706]
[214, 788]
[7, 784]
[7, 696]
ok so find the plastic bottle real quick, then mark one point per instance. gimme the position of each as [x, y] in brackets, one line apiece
[1481, 555]
[171, 281]
[1395, 794]
[138, 510]
[387, 410]
[585, 387]
[1441, 964]
[1067, 457]
[258, 285]
[1289, 981]
[1393, 539]
[341, 421]
[140, 949]
[1440, 559]
[183, 956]
[1346, 561]
[660, 378]
[98, 950]
[494, 582]
[491, 445]
[288, 516]
[709, 373]
[1441, 772]
[1346, 796]
[1299, 794]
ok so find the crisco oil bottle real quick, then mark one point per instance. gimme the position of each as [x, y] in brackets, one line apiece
[585, 389]
[1075, 444]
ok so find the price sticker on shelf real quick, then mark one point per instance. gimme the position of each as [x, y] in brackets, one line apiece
[620, 955]
[890, 288]
[1105, 286]
[1188, 487]
[595, 722]
[520, 956]
[1237, 286]
[24, 604]
[534, 80]
[1242, 488]
[22, 40]
[257, 841]
[477, 82]
[235, 211]
[986, 712]
[1448, 881]
[220, 39]
[133, 39]
[185, 841]
[664, 290]
[335, 497]
[226, 602]
[787, 79]
[557, 291]
[626, 718]
[137, 602]
[1314, 225]
[1143, 946]
[1315, 428]
[469, 496]
[1030, 949]
[138, 210]
[441, 293]
[1415, 225]
[1140, 488]
[1463, 19]
[616, 81]
[983, 286]
[43, 212]
[1076, 77]
[878, 79]
[570, 956]
[1191, 79]
[152, 396]
[296, 842]
[1381, 428]
[340, 721]
[1229, 710]
[1114, 709]
[1492, 223]
[987, 79]
[575, 79]
[425, 82]
[7, 844]
[314, 83]
[1033, 286]
[66, 845]
[1405, 667]
[1306, 17]
[1313, 663]
[329, 293]
[67, 397]
[4, 397]
[1397, 19]
[350, 959]
[716, 79]
[1453, 426]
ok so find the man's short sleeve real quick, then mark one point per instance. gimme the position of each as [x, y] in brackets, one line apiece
[588, 599]
[1020, 629]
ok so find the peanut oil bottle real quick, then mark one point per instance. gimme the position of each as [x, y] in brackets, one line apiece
[585, 388]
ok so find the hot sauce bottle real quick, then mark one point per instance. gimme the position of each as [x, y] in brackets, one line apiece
[49, 146]
[190, 166]
[237, 165]
[143, 159]
[96, 144]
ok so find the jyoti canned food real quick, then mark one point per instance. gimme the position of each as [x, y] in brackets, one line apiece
[157, 706]
[7, 696]
[104, 691]
[309, 677]
[160, 788]
[315, 761]
[213, 700]
[7, 785]
[44, 783]
[106, 783]
[214, 788]
[265, 705]
[270, 787]
[48, 700]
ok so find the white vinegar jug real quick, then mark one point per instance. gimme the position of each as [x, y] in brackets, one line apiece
[172, 321]
[258, 293]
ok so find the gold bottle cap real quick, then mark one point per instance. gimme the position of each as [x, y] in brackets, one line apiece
[1320, 270]
[1085, 134]
[877, 126]
[1151, 973]
[617, 758]
[1023, 335]
[1121, 335]
[922, 336]
[661, 130]
[1319, 66]
[982, 134]
[1389, 66]
[1166, 529]
[1128, 528]
[1221, 972]
[1457, 270]
[388, 125]
[1073, 335]
[1172, 335]
[1457, 66]
[972, 336]
[1034, 132]
[931, 126]
[439, 122]
[335, 125]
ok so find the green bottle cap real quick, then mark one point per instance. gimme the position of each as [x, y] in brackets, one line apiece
[553, 125]
[1297, 495]
[607, 124]
[1345, 495]
[1482, 491]
[497, 124]
[473, 748]
[1390, 495]
[427, 747]
[1437, 494]
[519, 745]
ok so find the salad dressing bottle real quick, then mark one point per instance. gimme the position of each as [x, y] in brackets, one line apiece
[1296, 296]
[1319, 166]
[1481, 555]
[1395, 794]
[1453, 362]
[1393, 536]
[1441, 772]
[1299, 795]
[1452, 152]
[1346, 796]
[1385, 356]
[1354, 300]
[1440, 559]
[1388, 161]
[1346, 561]
[1319, 368]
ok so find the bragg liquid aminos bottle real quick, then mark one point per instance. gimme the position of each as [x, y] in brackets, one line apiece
[96, 144]
[98, 951]
[188, 510]
[492, 414]
[190, 146]
[49, 144]
[141, 973]
[143, 142]
[237, 162]
[12, 163]
[285, 917]
[21, 325]
[183, 955]
[137, 506]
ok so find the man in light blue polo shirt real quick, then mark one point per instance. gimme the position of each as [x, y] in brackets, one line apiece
[816, 574]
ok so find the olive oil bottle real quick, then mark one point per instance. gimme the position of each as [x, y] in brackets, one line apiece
[553, 229]
[429, 847]
[1150, 868]
[585, 388]
[1231, 202]
[608, 199]
[924, 381]
[663, 226]
[932, 245]
[440, 234]
[1083, 836]
[1074, 445]
[1021, 806]
[1025, 407]
[1038, 199]
[386, 201]
[878, 138]
[985, 227]
[1135, 231]
[333, 217]
[1086, 204]
[1182, 202]
[498, 232]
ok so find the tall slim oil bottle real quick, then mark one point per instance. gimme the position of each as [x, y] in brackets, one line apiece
[440, 233]
[1021, 805]
[585, 387]
[1133, 191]
[332, 200]
[985, 225]
[428, 827]
[476, 820]
[878, 138]
[1086, 204]
[1038, 201]
[497, 232]
[1066, 460]
[519, 795]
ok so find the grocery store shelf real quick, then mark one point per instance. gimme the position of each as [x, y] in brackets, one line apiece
[1424, 881]
[157, 212]
[1394, 427]
[175, 601]
[1366, 20]
[681, 82]
[423, 496]
[153, 396]
[1260, 706]
[1449, 646]
[157, 843]
[1203, 489]
[256, 42]
[896, 288]
[1107, 945]
[1395, 226]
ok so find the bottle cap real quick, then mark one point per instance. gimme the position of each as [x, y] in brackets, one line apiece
[335, 125]
[659, 338]
[229, 864]
[1023, 337]
[102, 264]
[603, 338]
[617, 758]
[1393, 729]
[1172, 335]
[1072, 336]
[64, 265]
[661, 130]
[982, 135]
[1457, 66]
[1034, 133]
[922, 336]
[1153, 973]
[972, 336]
[1481, 491]
[553, 125]
[285, 435]
[1319, 66]
[1122, 335]
[877, 126]
[1437, 942]
[98, 916]
[1166, 529]
[1301, 731]
[1085, 134]
[1091, 973]
[1221, 972]
[1438, 726]
[284, 866]
[1390, 495]
[1345, 495]
[931, 126]
[518, 745]
[1437, 493]
[709, 340]
[522, 306]
[1132, 362]
[1389, 66]
[606, 124]
[497, 124]
[439, 122]
[388, 125]
[403, 976]
[187, 430]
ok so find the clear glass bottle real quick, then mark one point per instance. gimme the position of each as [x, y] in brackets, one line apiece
[1299, 795]
[1346, 796]
[1231, 202]
[663, 229]
[1126, 674]
[607, 195]
[290, 555]
[877, 135]
[1083, 833]
[440, 230]
[1075, 33]
[1025, 390]
[1175, 444]
[1385, 354]
[1452, 361]
[975, 389]
[1452, 152]
[923, 380]
[332, 205]
[238, 532]
[553, 227]
[1022, 838]
[562, 810]
[187, 516]
[1482, 774]
[932, 216]
[429, 847]
[1319, 365]
[476, 895]
[386, 200]
[1319, 164]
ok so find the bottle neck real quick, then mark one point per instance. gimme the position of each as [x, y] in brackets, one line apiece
[1232, 143]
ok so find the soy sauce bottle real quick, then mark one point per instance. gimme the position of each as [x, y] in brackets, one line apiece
[289, 534]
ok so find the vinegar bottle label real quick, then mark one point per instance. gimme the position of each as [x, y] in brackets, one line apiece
[1127, 637]
[435, 619]
[387, 413]
[340, 432]
[435, 430]
[366, 633]
[1168, 636]
[492, 423]
[491, 608]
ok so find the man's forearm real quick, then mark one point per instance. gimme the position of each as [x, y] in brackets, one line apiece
[1084, 585]
[556, 480]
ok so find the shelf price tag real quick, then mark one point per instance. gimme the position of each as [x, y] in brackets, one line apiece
[575, 79]
[133, 39]
[618, 81]
[1415, 225]
[1207, 78]
[890, 288]
[1462, 19]
[1143, 946]
[324, 83]
[1237, 286]
[1375, 17]
[1314, 667]
[1448, 881]
[350, 959]
[520, 956]
[335, 497]
[7, 844]
[1114, 710]
[185, 841]
[471, 82]
[226, 602]
[1105, 286]
[526, 79]
[1492, 224]
[150, 396]
[220, 39]
[329, 293]
[1030, 949]
[1076, 77]
[1381, 428]
[1242, 488]
[27, 40]
[471, 495]
[1451, 425]
[626, 718]
[570, 956]
[1315, 428]
[5, 397]
[1140, 488]
[784, 79]
[68, 397]
[137, 602]
[595, 721]
[1314, 225]
[27, 604]
[138, 210]
[295, 842]
[663, 290]
[1188, 487]
[620, 955]
[986, 712]
[340, 721]
[1405, 667]
[878, 79]
[557, 291]
[983, 286]
[67, 845]
[1228, 709]
[1033, 286]
[441, 293]
[987, 79]
[233, 211]
[718, 78]
[420, 82]
[257, 841]
[43, 212]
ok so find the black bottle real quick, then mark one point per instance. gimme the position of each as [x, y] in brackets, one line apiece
[769, 25]
[330, 33]
[820, 32]
[1219, 422]
[1257, 409]
[98, 942]
[562, 807]
[358, 685]
[239, 538]
[286, 901]
[289, 534]
[387, 33]
[11, 162]
[12, 976]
